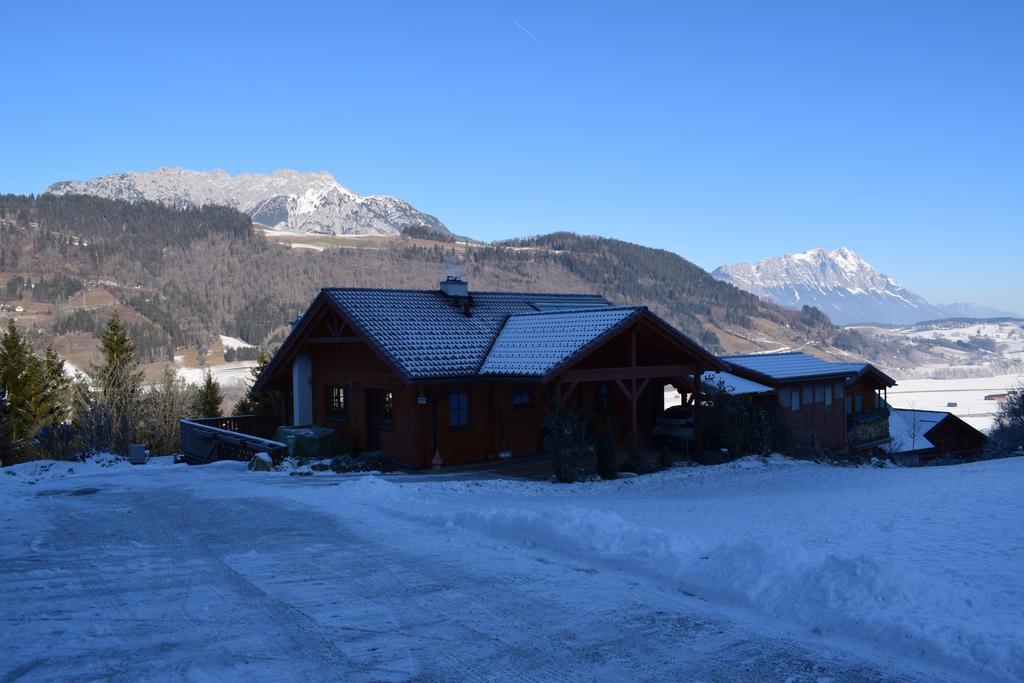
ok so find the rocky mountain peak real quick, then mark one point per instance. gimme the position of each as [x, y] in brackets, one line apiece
[286, 200]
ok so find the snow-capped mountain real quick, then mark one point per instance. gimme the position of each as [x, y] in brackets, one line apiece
[843, 285]
[284, 200]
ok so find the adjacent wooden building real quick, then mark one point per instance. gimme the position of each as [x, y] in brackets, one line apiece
[924, 435]
[463, 376]
[824, 404]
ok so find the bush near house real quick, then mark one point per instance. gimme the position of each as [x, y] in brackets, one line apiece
[740, 425]
[565, 433]
[1007, 436]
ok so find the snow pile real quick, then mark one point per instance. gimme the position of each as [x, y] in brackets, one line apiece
[956, 612]
[42, 470]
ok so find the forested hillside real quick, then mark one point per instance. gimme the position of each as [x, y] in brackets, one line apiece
[194, 273]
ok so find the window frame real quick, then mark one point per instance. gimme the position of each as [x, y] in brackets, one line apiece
[461, 426]
[329, 412]
[387, 409]
[520, 392]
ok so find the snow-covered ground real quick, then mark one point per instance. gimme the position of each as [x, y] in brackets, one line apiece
[758, 570]
[968, 394]
[236, 373]
[234, 343]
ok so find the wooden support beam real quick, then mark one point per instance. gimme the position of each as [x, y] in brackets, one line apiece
[624, 388]
[634, 436]
[569, 390]
[627, 373]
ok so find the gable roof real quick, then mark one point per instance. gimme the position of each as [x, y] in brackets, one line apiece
[425, 335]
[909, 429]
[793, 366]
[531, 345]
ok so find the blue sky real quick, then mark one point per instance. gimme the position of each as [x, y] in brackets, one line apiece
[723, 131]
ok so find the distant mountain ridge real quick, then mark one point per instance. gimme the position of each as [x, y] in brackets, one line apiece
[844, 286]
[284, 200]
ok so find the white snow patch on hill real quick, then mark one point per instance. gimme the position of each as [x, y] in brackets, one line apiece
[234, 343]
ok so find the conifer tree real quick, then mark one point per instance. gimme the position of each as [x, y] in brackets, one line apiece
[259, 402]
[119, 380]
[209, 397]
[56, 385]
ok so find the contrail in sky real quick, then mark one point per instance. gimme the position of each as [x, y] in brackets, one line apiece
[527, 32]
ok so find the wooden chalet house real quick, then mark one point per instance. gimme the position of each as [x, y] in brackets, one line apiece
[468, 375]
[828, 405]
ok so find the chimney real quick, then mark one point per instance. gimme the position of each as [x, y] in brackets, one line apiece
[454, 286]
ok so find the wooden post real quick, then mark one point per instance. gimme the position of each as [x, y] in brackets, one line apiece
[634, 436]
[698, 384]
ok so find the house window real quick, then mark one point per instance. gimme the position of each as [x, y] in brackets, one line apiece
[849, 405]
[828, 394]
[838, 391]
[795, 401]
[337, 403]
[784, 397]
[458, 410]
[389, 406]
[819, 393]
[808, 395]
[522, 398]
[858, 403]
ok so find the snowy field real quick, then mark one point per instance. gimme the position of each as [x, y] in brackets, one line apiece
[234, 374]
[968, 394]
[758, 570]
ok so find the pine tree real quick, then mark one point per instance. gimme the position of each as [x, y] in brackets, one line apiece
[209, 397]
[20, 374]
[5, 427]
[119, 380]
[260, 402]
[56, 385]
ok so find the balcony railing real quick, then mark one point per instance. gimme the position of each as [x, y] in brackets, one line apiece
[867, 428]
[238, 437]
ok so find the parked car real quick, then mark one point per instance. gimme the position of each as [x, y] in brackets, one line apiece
[674, 427]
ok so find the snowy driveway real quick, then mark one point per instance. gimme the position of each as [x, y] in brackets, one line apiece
[214, 573]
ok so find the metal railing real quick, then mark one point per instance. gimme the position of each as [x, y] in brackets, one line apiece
[238, 437]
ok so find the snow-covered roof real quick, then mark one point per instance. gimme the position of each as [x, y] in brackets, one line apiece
[426, 334]
[530, 345]
[793, 365]
[735, 384]
[907, 428]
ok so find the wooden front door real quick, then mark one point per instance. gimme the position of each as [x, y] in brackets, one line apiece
[373, 419]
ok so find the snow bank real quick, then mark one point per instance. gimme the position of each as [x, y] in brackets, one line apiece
[42, 470]
[99, 463]
[886, 601]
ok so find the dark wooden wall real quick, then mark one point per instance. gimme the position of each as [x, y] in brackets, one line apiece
[952, 437]
[816, 423]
